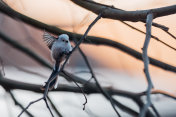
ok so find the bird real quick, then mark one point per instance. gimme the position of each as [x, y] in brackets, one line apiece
[60, 47]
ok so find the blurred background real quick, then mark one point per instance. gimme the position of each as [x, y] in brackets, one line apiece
[113, 67]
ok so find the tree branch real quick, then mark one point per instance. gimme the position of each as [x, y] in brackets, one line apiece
[152, 36]
[146, 63]
[118, 14]
[17, 103]
[104, 92]
[25, 109]
[54, 107]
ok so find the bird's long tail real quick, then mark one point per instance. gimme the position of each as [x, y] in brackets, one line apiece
[54, 81]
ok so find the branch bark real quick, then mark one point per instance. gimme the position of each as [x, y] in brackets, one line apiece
[104, 92]
[119, 14]
[146, 64]
[152, 36]
[17, 103]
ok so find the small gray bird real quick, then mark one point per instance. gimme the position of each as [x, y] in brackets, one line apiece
[60, 47]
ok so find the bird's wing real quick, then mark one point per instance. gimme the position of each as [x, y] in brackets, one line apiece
[49, 39]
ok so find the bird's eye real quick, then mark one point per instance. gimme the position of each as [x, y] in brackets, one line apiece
[66, 41]
[63, 40]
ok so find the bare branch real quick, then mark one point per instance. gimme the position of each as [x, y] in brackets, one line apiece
[29, 71]
[17, 103]
[29, 106]
[54, 107]
[160, 26]
[170, 34]
[46, 102]
[146, 64]
[104, 92]
[152, 36]
[84, 104]
[155, 110]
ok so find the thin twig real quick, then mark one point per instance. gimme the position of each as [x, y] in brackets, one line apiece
[88, 81]
[146, 64]
[152, 36]
[97, 83]
[29, 71]
[84, 104]
[155, 110]
[17, 103]
[93, 87]
[170, 34]
[47, 105]
[54, 107]
[44, 98]
[160, 26]
[29, 106]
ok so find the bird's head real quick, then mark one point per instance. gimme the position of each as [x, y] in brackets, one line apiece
[64, 38]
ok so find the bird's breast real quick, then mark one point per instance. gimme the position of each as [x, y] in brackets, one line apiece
[56, 51]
